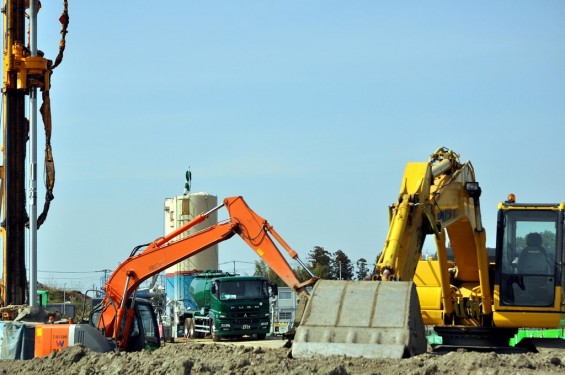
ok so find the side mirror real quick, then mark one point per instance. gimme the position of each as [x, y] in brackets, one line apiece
[275, 289]
[214, 288]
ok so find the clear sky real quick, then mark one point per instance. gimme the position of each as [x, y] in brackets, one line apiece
[308, 109]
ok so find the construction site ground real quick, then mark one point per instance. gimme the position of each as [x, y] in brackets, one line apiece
[202, 356]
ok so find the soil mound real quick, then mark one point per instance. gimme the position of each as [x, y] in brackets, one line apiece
[197, 358]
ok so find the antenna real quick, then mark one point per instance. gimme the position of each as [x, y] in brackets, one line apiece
[188, 182]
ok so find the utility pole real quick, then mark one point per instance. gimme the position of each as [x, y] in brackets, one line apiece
[33, 4]
[64, 298]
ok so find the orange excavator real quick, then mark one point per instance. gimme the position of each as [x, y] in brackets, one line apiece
[126, 323]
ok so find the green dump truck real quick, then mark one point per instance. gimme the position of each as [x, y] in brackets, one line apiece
[227, 306]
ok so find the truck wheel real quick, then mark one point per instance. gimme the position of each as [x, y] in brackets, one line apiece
[261, 336]
[188, 328]
[192, 330]
[214, 332]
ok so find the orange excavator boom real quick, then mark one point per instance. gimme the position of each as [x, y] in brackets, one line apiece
[166, 251]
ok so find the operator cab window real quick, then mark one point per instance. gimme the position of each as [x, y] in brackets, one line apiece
[147, 320]
[528, 258]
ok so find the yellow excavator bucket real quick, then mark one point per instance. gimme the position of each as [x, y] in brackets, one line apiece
[371, 319]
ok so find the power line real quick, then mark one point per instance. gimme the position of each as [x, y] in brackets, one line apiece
[234, 262]
[67, 278]
[101, 271]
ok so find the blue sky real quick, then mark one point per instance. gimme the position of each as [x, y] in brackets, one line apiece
[310, 110]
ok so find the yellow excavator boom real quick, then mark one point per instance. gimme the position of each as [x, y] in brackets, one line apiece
[382, 317]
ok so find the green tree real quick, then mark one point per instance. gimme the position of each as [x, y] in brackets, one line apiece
[302, 274]
[362, 270]
[321, 262]
[262, 269]
[342, 268]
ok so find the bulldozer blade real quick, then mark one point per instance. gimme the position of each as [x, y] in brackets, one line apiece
[371, 319]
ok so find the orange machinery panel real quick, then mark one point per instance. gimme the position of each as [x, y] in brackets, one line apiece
[51, 337]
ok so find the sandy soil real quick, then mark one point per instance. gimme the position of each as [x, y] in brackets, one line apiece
[197, 358]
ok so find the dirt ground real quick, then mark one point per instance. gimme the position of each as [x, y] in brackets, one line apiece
[195, 357]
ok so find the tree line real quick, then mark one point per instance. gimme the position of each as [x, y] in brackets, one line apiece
[323, 264]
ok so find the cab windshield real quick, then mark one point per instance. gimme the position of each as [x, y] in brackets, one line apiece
[243, 289]
[147, 319]
[528, 258]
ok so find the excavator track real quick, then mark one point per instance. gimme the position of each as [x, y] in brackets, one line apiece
[370, 319]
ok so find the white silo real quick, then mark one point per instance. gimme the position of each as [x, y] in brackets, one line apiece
[179, 211]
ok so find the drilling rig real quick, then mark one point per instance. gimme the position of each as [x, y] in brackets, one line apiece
[25, 72]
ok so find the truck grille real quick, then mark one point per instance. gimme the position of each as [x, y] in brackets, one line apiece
[245, 316]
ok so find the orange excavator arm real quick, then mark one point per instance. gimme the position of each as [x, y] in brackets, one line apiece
[116, 316]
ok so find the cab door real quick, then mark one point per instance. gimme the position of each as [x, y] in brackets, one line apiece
[528, 266]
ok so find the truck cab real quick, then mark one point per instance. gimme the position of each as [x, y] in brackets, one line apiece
[229, 306]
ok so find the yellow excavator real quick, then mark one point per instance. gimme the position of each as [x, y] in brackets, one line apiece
[472, 300]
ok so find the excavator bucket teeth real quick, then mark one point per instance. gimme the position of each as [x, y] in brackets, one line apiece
[370, 319]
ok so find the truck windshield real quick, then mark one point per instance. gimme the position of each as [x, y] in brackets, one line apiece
[243, 289]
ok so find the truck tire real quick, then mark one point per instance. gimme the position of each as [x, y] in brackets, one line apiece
[214, 332]
[192, 330]
[261, 336]
[189, 328]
